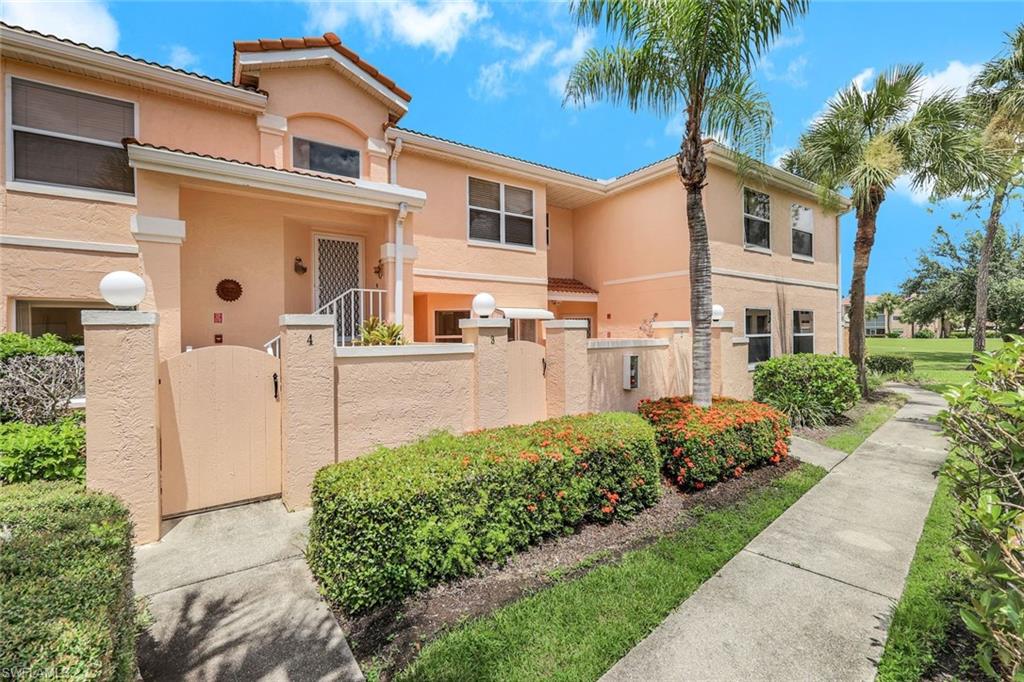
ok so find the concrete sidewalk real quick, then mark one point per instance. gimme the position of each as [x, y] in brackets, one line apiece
[232, 599]
[811, 596]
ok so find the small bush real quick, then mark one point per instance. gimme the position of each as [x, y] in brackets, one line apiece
[809, 389]
[890, 364]
[985, 423]
[398, 520]
[702, 446]
[52, 452]
[65, 584]
[376, 332]
[894, 334]
[39, 389]
[924, 334]
[16, 343]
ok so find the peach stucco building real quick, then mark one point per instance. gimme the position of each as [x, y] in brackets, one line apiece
[293, 189]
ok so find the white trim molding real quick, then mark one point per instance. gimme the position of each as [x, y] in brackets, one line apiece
[566, 324]
[119, 318]
[306, 320]
[773, 278]
[478, 276]
[597, 344]
[67, 244]
[403, 351]
[645, 278]
[676, 325]
[350, 190]
[485, 323]
[154, 229]
[558, 296]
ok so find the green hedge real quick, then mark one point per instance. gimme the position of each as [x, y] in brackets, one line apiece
[65, 584]
[702, 446]
[50, 452]
[809, 389]
[890, 364]
[16, 343]
[398, 520]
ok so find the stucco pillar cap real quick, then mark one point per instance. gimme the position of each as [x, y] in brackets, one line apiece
[485, 323]
[724, 325]
[565, 324]
[298, 320]
[672, 324]
[119, 318]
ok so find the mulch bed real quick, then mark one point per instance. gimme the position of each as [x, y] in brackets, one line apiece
[851, 416]
[392, 635]
[955, 661]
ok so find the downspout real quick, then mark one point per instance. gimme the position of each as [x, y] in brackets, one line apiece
[403, 211]
[839, 287]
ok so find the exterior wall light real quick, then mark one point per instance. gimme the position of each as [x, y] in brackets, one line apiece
[122, 289]
[483, 304]
[717, 312]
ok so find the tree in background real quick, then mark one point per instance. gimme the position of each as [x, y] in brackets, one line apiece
[943, 282]
[865, 140]
[693, 57]
[885, 304]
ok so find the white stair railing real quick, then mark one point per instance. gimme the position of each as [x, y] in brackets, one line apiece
[349, 310]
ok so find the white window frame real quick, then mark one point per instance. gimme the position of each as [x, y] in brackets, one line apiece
[811, 334]
[792, 229]
[36, 187]
[757, 248]
[291, 151]
[456, 337]
[501, 216]
[752, 365]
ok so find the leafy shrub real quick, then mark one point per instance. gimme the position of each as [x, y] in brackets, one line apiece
[398, 520]
[894, 334]
[375, 332]
[51, 452]
[700, 446]
[924, 334]
[16, 343]
[65, 584]
[38, 389]
[985, 422]
[809, 389]
[890, 364]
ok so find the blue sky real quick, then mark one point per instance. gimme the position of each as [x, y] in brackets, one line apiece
[490, 74]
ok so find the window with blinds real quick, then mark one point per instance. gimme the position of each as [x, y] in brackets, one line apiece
[500, 213]
[68, 138]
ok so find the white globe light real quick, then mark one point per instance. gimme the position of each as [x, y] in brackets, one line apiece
[483, 304]
[122, 289]
[717, 312]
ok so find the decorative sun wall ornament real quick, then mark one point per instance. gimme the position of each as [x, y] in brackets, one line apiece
[229, 290]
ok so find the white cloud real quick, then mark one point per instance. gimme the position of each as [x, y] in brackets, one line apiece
[793, 73]
[776, 155]
[918, 195]
[87, 21]
[955, 77]
[490, 82]
[862, 78]
[180, 57]
[674, 127]
[436, 24]
[532, 55]
[565, 58]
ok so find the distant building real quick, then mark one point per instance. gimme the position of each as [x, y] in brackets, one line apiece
[887, 321]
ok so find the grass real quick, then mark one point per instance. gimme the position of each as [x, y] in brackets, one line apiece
[577, 629]
[922, 619]
[938, 363]
[850, 437]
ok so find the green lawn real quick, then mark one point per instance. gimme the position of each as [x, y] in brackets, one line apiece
[578, 629]
[939, 363]
[850, 437]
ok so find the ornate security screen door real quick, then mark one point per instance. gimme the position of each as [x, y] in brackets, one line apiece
[339, 267]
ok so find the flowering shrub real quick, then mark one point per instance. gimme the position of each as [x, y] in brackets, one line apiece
[810, 389]
[702, 446]
[398, 520]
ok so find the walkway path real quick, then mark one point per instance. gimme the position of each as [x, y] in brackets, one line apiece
[232, 599]
[811, 596]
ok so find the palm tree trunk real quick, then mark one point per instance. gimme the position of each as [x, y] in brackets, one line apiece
[693, 166]
[862, 245]
[985, 261]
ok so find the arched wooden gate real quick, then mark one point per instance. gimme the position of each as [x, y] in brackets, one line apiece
[220, 428]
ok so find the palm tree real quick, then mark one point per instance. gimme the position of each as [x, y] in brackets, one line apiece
[865, 140]
[692, 57]
[996, 97]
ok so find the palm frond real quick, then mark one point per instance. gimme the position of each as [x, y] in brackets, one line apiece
[639, 77]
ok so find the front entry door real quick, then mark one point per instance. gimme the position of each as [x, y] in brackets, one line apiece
[339, 268]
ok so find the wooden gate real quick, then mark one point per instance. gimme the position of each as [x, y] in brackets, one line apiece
[220, 428]
[527, 396]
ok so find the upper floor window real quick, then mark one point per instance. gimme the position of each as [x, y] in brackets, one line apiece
[803, 331]
[758, 330]
[68, 138]
[802, 225]
[325, 158]
[757, 227]
[500, 213]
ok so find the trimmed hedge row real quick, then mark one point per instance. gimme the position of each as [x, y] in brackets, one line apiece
[890, 364]
[398, 520]
[65, 584]
[702, 446]
[808, 388]
[50, 452]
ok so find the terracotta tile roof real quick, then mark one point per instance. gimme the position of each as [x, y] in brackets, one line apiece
[130, 141]
[67, 41]
[326, 40]
[567, 285]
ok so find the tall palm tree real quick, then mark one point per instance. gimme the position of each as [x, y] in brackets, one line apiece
[692, 57]
[865, 141]
[996, 97]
